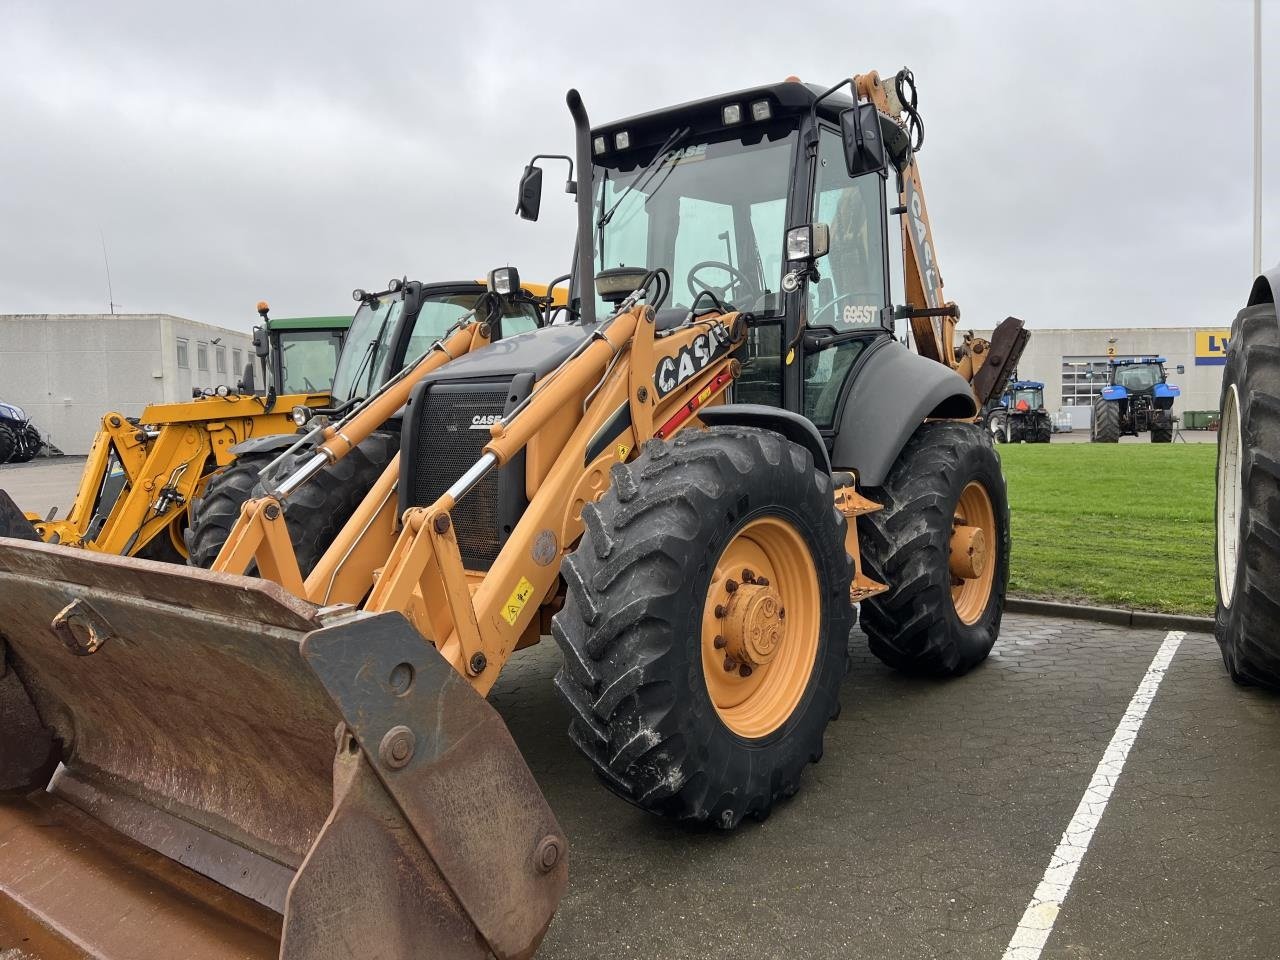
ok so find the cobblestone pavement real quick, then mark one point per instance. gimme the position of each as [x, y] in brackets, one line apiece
[932, 816]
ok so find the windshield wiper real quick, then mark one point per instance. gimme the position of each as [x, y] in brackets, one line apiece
[646, 175]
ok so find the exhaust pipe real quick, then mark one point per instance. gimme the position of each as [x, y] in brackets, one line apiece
[582, 195]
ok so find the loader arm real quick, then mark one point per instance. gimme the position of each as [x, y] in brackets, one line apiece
[933, 318]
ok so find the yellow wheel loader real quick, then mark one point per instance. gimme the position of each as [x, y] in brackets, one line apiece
[690, 485]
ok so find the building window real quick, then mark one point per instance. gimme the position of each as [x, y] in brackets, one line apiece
[202, 356]
[183, 362]
[1082, 380]
[220, 359]
[237, 361]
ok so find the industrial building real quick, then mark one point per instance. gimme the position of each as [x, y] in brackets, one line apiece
[1073, 364]
[68, 370]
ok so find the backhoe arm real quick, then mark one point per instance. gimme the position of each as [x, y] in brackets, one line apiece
[933, 317]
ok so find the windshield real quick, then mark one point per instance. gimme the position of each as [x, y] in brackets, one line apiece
[713, 213]
[439, 313]
[366, 348]
[307, 360]
[1029, 399]
[1138, 377]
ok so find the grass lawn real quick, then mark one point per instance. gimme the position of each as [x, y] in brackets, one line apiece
[1123, 525]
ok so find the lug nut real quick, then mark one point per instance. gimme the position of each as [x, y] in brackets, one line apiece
[719, 642]
[729, 664]
[721, 610]
[762, 581]
[782, 613]
[748, 576]
[744, 671]
[730, 585]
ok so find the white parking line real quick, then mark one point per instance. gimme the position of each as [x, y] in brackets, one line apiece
[1042, 912]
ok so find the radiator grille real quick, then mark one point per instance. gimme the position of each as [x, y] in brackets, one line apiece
[444, 447]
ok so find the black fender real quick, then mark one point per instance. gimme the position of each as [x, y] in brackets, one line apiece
[894, 390]
[276, 443]
[793, 426]
[1265, 287]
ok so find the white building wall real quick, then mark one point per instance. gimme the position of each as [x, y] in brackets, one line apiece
[68, 370]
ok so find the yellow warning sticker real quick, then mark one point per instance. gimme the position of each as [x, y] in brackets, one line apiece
[622, 451]
[515, 603]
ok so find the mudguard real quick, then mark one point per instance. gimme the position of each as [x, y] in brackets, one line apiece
[1166, 390]
[894, 390]
[793, 426]
[1265, 287]
[276, 443]
[1114, 392]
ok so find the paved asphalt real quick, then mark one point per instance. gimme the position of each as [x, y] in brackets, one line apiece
[933, 815]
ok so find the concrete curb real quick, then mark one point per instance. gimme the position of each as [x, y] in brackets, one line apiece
[1123, 618]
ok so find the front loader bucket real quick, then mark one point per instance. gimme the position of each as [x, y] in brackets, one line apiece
[359, 798]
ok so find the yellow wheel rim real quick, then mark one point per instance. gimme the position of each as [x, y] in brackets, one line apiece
[760, 627]
[974, 554]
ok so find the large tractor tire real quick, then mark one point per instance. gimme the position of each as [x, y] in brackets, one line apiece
[999, 426]
[313, 515]
[214, 513]
[29, 444]
[162, 547]
[8, 442]
[706, 624]
[1161, 427]
[1106, 422]
[1248, 501]
[1041, 430]
[941, 543]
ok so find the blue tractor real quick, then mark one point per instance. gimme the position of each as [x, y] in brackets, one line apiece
[1019, 416]
[1138, 399]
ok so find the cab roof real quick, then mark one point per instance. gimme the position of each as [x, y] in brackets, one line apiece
[309, 323]
[1133, 360]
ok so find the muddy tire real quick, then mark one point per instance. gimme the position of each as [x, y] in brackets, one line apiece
[8, 442]
[664, 723]
[1248, 501]
[1106, 422]
[162, 548]
[923, 623]
[1162, 428]
[320, 508]
[1041, 430]
[213, 514]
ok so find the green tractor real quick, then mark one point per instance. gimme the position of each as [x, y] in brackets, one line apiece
[296, 354]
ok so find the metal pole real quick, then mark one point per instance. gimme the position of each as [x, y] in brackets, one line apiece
[1257, 137]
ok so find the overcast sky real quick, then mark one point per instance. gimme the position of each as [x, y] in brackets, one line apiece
[1085, 165]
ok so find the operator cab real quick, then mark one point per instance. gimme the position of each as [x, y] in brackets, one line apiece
[719, 194]
[396, 326]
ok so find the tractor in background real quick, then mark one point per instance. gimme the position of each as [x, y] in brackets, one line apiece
[1138, 399]
[1019, 416]
[20, 441]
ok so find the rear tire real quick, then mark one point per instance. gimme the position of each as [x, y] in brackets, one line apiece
[1041, 430]
[916, 625]
[999, 425]
[1106, 422]
[1247, 502]
[8, 442]
[633, 631]
[1162, 427]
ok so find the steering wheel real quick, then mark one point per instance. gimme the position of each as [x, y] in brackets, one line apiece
[736, 279]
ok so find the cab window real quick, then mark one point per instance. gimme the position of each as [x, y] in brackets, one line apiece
[438, 314]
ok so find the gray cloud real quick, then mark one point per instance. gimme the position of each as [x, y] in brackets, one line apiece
[1085, 165]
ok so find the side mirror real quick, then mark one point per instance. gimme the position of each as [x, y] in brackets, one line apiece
[808, 243]
[260, 345]
[246, 384]
[1181, 368]
[863, 146]
[529, 200]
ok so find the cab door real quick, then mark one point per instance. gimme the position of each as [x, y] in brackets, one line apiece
[848, 308]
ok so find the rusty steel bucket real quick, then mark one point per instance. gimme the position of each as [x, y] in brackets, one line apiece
[245, 774]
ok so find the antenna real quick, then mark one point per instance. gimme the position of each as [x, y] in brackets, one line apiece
[111, 303]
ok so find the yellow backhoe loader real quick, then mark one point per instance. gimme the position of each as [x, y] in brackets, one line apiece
[689, 486]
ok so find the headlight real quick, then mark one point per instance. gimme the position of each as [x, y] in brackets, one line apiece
[302, 415]
[504, 281]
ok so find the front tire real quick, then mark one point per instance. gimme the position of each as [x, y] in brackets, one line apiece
[941, 614]
[214, 513]
[8, 442]
[1248, 502]
[651, 621]
[1106, 422]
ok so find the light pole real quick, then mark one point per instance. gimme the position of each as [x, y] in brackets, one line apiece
[1257, 137]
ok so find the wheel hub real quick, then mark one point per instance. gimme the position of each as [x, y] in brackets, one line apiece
[753, 623]
[968, 552]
